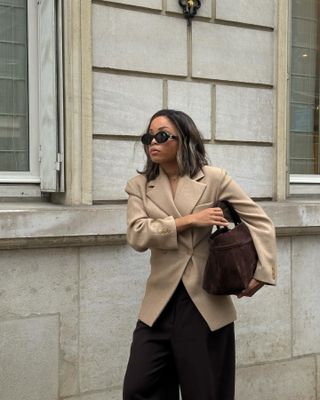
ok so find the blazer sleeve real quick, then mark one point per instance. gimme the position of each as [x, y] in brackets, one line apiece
[261, 228]
[143, 232]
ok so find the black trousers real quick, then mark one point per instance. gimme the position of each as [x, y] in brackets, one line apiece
[180, 350]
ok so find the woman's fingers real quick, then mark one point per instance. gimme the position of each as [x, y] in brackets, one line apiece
[218, 218]
[252, 288]
[221, 221]
[210, 216]
[217, 211]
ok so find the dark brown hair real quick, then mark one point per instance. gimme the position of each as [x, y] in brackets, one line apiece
[191, 155]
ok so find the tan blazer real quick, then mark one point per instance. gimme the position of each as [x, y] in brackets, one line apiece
[175, 256]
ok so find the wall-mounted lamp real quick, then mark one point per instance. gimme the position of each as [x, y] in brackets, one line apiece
[190, 8]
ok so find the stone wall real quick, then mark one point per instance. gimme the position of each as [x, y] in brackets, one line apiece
[220, 72]
[67, 315]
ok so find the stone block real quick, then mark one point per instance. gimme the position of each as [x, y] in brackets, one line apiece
[115, 162]
[195, 100]
[232, 53]
[154, 4]
[290, 380]
[110, 186]
[113, 394]
[263, 328]
[29, 358]
[296, 215]
[137, 41]
[204, 11]
[112, 285]
[252, 176]
[123, 105]
[45, 281]
[305, 295]
[256, 12]
[244, 113]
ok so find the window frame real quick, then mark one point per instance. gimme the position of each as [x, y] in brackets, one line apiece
[305, 178]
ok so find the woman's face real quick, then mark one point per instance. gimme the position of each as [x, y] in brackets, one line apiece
[163, 153]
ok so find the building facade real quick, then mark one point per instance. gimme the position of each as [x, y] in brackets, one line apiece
[90, 74]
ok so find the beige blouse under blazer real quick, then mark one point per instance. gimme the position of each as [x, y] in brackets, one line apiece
[175, 256]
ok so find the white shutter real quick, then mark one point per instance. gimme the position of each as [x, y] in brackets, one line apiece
[50, 95]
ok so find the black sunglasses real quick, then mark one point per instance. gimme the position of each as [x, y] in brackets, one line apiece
[160, 137]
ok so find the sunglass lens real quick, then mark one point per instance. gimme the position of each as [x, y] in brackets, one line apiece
[146, 139]
[162, 137]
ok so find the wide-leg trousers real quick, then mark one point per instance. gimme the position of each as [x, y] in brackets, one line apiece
[180, 350]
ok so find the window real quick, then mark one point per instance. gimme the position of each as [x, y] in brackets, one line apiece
[18, 135]
[304, 92]
[31, 102]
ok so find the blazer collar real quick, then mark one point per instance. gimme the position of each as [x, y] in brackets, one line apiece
[188, 193]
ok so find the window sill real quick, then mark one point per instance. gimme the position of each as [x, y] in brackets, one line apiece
[31, 225]
[304, 189]
[19, 191]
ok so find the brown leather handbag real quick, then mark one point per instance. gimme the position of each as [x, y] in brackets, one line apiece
[232, 257]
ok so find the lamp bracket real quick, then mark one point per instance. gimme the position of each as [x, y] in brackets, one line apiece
[190, 8]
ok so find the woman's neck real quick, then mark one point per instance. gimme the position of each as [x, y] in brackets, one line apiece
[171, 171]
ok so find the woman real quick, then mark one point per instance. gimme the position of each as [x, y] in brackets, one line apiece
[185, 336]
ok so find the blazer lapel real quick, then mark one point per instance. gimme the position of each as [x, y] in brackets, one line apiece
[188, 193]
[159, 191]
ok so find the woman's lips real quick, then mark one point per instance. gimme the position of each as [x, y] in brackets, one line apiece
[153, 152]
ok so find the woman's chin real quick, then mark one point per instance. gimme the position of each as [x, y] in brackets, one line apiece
[155, 159]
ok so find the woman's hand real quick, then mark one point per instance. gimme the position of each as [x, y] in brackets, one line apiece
[209, 217]
[252, 288]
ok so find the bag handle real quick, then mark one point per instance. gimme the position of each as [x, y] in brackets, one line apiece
[233, 213]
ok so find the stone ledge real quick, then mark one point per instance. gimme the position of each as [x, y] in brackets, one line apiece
[292, 217]
[62, 241]
[49, 225]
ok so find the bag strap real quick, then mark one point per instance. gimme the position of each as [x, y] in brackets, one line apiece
[233, 213]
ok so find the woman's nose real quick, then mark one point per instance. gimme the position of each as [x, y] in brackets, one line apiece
[153, 141]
